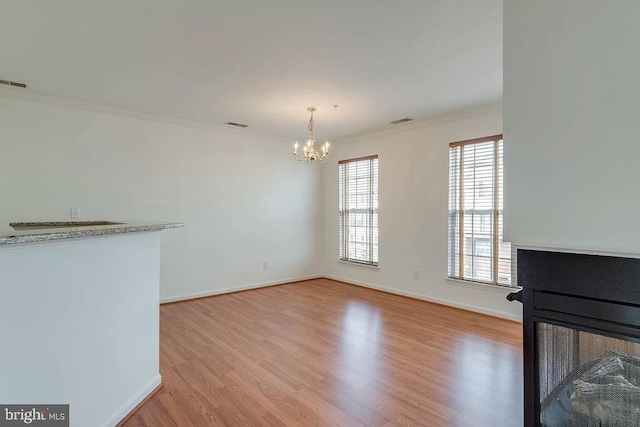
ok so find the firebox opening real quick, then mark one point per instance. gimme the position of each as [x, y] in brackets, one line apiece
[586, 379]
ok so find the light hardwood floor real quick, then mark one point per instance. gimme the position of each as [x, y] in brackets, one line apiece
[324, 353]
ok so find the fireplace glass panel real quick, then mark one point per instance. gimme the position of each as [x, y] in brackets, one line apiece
[586, 379]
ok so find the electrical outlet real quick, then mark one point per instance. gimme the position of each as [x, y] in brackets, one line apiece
[75, 213]
[265, 265]
[416, 274]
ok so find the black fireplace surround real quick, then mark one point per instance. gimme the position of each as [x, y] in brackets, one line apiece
[581, 324]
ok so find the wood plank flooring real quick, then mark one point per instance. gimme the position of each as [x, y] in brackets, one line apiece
[324, 353]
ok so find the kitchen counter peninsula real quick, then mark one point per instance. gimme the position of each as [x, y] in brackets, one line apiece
[79, 316]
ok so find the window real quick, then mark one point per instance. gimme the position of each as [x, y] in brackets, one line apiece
[476, 249]
[358, 210]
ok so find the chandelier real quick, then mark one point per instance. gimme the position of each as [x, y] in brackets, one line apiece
[309, 150]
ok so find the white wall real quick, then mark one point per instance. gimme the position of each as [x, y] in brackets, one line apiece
[243, 199]
[572, 121]
[413, 169]
[79, 324]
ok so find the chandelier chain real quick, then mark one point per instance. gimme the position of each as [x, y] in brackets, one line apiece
[310, 127]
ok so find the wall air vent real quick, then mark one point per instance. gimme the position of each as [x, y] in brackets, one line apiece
[10, 83]
[397, 122]
[240, 125]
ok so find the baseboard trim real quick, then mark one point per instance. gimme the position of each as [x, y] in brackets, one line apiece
[197, 295]
[441, 301]
[129, 409]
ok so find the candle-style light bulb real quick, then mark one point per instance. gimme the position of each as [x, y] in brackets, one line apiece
[295, 148]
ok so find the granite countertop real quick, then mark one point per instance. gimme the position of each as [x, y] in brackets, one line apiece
[27, 232]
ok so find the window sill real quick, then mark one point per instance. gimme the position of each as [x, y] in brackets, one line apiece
[358, 265]
[484, 286]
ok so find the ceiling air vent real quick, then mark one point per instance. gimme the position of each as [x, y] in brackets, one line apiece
[16, 84]
[397, 122]
[240, 125]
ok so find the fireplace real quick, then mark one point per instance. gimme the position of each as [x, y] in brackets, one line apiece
[581, 323]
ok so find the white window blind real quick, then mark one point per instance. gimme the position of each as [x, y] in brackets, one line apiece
[358, 210]
[476, 249]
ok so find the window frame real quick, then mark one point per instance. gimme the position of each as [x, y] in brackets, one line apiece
[343, 214]
[458, 215]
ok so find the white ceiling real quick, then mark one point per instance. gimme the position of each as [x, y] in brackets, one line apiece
[261, 62]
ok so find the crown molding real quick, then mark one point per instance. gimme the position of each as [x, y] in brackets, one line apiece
[419, 124]
[26, 95]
